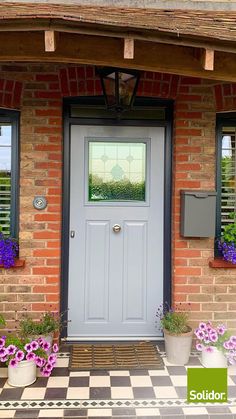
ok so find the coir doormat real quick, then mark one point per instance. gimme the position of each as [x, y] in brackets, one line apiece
[142, 355]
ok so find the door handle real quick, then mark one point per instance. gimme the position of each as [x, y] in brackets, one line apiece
[72, 234]
[116, 228]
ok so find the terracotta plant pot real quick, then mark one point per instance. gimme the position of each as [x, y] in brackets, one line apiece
[214, 359]
[22, 375]
[178, 347]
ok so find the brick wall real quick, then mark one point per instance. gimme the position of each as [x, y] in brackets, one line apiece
[37, 90]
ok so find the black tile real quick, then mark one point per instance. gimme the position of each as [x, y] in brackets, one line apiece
[182, 392]
[145, 417]
[26, 413]
[120, 381]
[79, 382]
[99, 372]
[60, 372]
[170, 411]
[233, 377]
[176, 370]
[193, 361]
[2, 382]
[219, 416]
[55, 393]
[139, 372]
[161, 381]
[100, 393]
[11, 393]
[75, 412]
[198, 417]
[40, 382]
[232, 391]
[218, 409]
[123, 411]
[175, 417]
[144, 392]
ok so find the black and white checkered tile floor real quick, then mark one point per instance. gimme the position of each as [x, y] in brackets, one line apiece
[111, 394]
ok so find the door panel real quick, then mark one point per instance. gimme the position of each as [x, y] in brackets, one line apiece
[116, 278]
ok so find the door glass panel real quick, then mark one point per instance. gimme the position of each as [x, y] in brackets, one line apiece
[117, 171]
[5, 178]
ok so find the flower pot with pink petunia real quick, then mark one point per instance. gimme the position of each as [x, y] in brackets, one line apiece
[217, 346]
[23, 356]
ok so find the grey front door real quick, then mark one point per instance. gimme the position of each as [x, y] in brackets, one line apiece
[116, 219]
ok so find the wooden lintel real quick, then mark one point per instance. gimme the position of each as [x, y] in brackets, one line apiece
[128, 48]
[208, 57]
[104, 51]
[50, 41]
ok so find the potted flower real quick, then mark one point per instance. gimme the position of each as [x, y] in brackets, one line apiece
[227, 243]
[9, 249]
[23, 356]
[46, 327]
[216, 345]
[177, 333]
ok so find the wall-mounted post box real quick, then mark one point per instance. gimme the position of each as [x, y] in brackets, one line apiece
[198, 213]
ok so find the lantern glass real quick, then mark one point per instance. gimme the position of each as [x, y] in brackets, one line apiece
[119, 88]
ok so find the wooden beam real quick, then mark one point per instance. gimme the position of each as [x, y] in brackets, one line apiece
[50, 41]
[208, 59]
[93, 50]
[128, 48]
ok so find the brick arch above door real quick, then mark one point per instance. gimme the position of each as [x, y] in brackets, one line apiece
[10, 93]
[82, 81]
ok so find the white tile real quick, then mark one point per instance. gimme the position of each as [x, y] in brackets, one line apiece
[140, 381]
[119, 373]
[165, 392]
[179, 380]
[58, 382]
[99, 381]
[100, 412]
[232, 409]
[195, 411]
[232, 369]
[230, 382]
[77, 393]
[33, 393]
[158, 373]
[148, 412]
[7, 414]
[62, 362]
[122, 393]
[79, 374]
[51, 413]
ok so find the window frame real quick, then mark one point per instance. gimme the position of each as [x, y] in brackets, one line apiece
[222, 120]
[13, 117]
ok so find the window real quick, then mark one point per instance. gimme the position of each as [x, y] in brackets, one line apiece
[9, 172]
[226, 179]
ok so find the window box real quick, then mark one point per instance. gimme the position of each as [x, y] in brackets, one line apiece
[221, 263]
[19, 263]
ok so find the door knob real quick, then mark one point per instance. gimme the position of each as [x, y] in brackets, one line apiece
[116, 228]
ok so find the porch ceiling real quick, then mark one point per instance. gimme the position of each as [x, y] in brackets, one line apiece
[172, 41]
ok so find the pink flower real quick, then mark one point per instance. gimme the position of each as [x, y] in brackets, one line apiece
[3, 352]
[202, 326]
[4, 359]
[55, 347]
[199, 347]
[11, 349]
[20, 355]
[52, 359]
[13, 363]
[233, 340]
[2, 342]
[213, 337]
[200, 334]
[34, 345]
[38, 361]
[48, 367]
[221, 329]
[30, 356]
[226, 344]
[28, 347]
[210, 349]
[45, 373]
[46, 345]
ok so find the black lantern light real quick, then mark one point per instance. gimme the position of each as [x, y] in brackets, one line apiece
[119, 87]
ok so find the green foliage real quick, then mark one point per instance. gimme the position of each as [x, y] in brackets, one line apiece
[115, 190]
[49, 323]
[175, 322]
[229, 233]
[2, 320]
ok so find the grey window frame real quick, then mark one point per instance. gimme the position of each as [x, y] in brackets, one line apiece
[13, 118]
[222, 121]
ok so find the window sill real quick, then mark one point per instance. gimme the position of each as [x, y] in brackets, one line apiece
[19, 263]
[220, 263]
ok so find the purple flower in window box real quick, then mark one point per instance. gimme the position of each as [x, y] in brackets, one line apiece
[9, 249]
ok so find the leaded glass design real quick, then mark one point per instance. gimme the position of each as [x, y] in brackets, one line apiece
[117, 171]
[5, 178]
